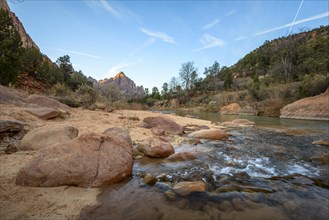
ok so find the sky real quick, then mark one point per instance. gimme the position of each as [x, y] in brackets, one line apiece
[149, 40]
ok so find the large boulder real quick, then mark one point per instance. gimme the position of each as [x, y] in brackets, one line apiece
[90, 160]
[48, 135]
[156, 147]
[231, 109]
[122, 133]
[43, 113]
[211, 134]
[47, 102]
[185, 188]
[314, 108]
[166, 124]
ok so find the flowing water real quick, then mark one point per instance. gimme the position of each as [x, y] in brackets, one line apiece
[257, 173]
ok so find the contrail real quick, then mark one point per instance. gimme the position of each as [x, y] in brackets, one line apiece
[292, 24]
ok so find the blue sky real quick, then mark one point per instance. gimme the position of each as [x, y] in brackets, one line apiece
[149, 40]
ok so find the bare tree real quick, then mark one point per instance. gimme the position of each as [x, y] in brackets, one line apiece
[187, 73]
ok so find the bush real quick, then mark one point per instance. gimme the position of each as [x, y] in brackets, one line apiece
[86, 95]
[61, 90]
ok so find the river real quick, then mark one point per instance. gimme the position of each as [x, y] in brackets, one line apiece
[270, 171]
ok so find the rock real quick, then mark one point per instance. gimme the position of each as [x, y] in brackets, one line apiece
[11, 149]
[243, 122]
[194, 127]
[143, 125]
[238, 204]
[323, 158]
[313, 108]
[47, 102]
[91, 160]
[174, 103]
[48, 135]
[163, 177]
[248, 110]
[167, 124]
[43, 113]
[211, 134]
[158, 131]
[10, 126]
[149, 179]
[170, 195]
[181, 156]
[124, 134]
[322, 142]
[231, 109]
[156, 147]
[185, 188]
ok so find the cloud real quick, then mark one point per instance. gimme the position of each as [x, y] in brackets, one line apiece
[160, 35]
[106, 5]
[233, 11]
[146, 44]
[210, 25]
[315, 17]
[76, 52]
[216, 21]
[209, 42]
[115, 69]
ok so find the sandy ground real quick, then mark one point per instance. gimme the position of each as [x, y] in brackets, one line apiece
[65, 202]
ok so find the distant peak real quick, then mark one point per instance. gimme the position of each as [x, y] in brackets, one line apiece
[120, 75]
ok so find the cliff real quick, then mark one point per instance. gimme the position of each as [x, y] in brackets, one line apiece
[27, 41]
[125, 85]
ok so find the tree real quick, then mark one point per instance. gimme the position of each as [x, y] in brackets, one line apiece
[10, 49]
[227, 76]
[147, 92]
[66, 67]
[186, 72]
[174, 85]
[155, 93]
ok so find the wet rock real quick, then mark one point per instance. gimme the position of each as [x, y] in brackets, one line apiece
[123, 133]
[48, 135]
[324, 142]
[43, 113]
[10, 126]
[156, 147]
[90, 160]
[238, 204]
[149, 179]
[323, 158]
[211, 134]
[163, 177]
[243, 122]
[167, 124]
[157, 131]
[185, 188]
[181, 156]
[170, 195]
[193, 127]
[231, 109]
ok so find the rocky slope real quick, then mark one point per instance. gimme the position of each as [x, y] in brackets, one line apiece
[313, 108]
[27, 41]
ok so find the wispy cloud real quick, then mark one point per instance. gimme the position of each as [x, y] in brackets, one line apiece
[210, 25]
[146, 44]
[315, 17]
[77, 52]
[233, 11]
[216, 21]
[106, 5]
[119, 67]
[160, 35]
[209, 42]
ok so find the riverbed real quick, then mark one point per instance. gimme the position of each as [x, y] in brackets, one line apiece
[269, 171]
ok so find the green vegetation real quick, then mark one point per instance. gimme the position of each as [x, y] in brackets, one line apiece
[277, 73]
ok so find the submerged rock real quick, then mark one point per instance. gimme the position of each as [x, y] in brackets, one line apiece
[185, 188]
[149, 179]
[90, 160]
[322, 142]
[181, 156]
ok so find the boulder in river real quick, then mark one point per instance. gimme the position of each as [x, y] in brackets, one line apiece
[211, 134]
[156, 147]
[181, 156]
[90, 160]
[185, 188]
[231, 109]
[313, 108]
